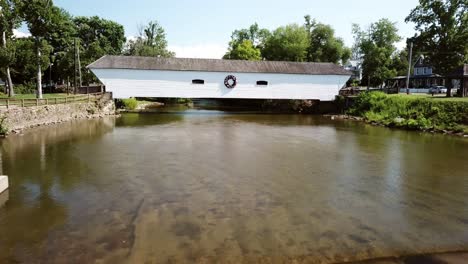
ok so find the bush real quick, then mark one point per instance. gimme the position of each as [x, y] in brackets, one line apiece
[27, 88]
[3, 126]
[130, 104]
[411, 113]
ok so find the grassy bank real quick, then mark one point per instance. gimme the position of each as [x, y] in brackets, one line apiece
[132, 104]
[413, 112]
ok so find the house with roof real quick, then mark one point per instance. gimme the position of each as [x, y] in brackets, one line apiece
[459, 80]
[423, 78]
[355, 67]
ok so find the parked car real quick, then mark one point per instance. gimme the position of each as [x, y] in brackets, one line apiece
[437, 90]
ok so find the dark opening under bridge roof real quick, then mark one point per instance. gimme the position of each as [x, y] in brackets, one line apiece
[215, 65]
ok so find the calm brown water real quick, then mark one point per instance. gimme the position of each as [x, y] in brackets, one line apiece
[230, 188]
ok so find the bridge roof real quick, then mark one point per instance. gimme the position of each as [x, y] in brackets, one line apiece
[214, 65]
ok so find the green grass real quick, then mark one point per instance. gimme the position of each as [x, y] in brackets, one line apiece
[436, 97]
[130, 104]
[413, 111]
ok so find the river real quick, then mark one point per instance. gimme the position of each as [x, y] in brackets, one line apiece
[210, 186]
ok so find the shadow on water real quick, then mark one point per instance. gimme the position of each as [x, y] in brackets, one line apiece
[148, 119]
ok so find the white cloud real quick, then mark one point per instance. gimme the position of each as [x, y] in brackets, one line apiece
[131, 38]
[202, 51]
[401, 45]
[205, 51]
[19, 34]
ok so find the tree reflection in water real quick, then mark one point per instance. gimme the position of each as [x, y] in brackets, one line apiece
[41, 166]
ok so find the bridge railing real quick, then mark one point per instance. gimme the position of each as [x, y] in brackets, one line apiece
[9, 103]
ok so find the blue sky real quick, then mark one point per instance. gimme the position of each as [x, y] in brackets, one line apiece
[203, 28]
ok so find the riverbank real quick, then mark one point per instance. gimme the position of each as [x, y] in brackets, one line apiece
[16, 119]
[412, 112]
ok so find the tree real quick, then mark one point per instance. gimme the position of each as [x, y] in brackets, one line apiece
[400, 62]
[95, 37]
[151, 42]
[376, 47]
[61, 37]
[288, 43]
[309, 25]
[108, 35]
[442, 33]
[254, 34]
[244, 51]
[25, 60]
[98, 37]
[44, 21]
[324, 46]
[9, 20]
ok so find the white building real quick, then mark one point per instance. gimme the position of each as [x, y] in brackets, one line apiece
[355, 67]
[209, 78]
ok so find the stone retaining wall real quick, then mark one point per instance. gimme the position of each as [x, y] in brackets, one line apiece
[17, 119]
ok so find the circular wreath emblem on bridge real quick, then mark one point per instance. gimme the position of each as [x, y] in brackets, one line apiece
[230, 81]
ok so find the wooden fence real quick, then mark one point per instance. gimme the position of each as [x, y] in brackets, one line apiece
[14, 103]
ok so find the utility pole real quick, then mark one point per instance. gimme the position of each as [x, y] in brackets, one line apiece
[410, 63]
[80, 83]
[368, 83]
[77, 76]
[75, 81]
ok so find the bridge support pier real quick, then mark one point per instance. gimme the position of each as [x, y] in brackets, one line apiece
[4, 195]
[3, 183]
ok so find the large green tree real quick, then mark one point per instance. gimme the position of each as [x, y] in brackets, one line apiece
[151, 42]
[376, 48]
[9, 20]
[324, 46]
[107, 34]
[61, 38]
[245, 51]
[442, 33]
[25, 69]
[96, 37]
[45, 22]
[288, 43]
[248, 40]
[400, 62]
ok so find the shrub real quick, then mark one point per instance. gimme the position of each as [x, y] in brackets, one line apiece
[3, 126]
[27, 88]
[410, 112]
[130, 104]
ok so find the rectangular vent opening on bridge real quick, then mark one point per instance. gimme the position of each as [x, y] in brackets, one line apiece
[262, 83]
[198, 81]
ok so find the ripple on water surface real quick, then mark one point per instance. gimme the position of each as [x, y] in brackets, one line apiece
[216, 187]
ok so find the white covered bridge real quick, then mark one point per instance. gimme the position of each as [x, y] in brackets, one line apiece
[129, 77]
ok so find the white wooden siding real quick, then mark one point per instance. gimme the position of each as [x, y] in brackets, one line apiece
[178, 84]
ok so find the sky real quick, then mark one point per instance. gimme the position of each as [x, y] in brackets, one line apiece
[202, 28]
